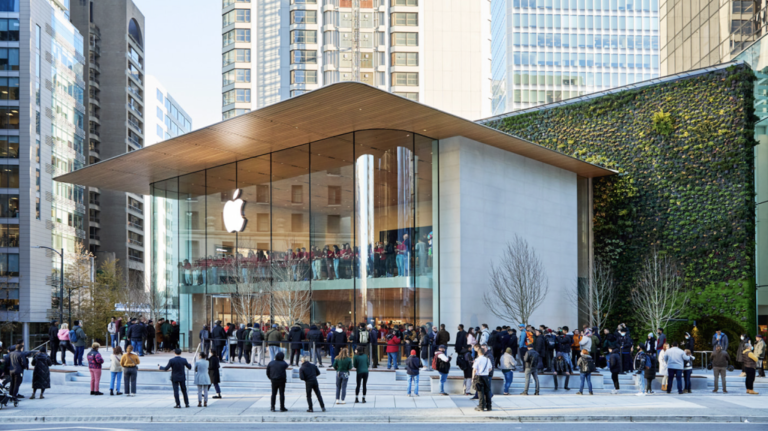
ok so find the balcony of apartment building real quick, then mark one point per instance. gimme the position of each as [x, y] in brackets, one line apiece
[94, 217]
[136, 75]
[94, 153]
[135, 125]
[135, 224]
[135, 259]
[136, 206]
[94, 96]
[93, 78]
[94, 130]
[135, 107]
[135, 241]
[94, 200]
[135, 142]
[94, 235]
[94, 113]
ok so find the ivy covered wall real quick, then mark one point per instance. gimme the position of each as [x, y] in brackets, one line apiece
[684, 152]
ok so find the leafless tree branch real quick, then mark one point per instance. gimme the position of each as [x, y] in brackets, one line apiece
[658, 290]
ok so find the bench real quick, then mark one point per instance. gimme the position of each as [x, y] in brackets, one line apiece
[455, 383]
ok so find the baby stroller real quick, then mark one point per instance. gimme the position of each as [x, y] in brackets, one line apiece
[5, 394]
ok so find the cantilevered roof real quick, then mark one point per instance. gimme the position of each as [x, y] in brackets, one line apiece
[329, 111]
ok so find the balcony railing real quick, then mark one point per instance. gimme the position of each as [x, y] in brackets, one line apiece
[96, 237]
[136, 242]
[135, 124]
[136, 225]
[136, 93]
[94, 132]
[95, 219]
[135, 258]
[135, 141]
[137, 209]
[94, 202]
[135, 109]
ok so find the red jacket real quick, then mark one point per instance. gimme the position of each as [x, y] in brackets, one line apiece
[393, 345]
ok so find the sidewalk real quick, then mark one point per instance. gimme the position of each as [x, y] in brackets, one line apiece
[67, 405]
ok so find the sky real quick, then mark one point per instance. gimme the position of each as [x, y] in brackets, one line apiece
[183, 51]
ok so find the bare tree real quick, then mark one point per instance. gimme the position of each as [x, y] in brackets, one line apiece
[658, 291]
[249, 300]
[518, 283]
[596, 299]
[289, 292]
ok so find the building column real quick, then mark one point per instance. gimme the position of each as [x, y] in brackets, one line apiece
[25, 335]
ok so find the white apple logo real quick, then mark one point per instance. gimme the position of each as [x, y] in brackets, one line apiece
[233, 214]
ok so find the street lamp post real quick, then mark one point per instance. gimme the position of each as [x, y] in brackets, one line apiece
[61, 281]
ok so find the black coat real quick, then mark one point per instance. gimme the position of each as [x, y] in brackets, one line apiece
[276, 370]
[315, 336]
[150, 332]
[513, 344]
[461, 340]
[412, 365]
[213, 369]
[136, 332]
[562, 366]
[53, 334]
[295, 337]
[309, 372]
[690, 344]
[177, 365]
[219, 336]
[614, 362]
[539, 345]
[41, 377]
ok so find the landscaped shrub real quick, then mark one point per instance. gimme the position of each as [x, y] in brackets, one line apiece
[685, 182]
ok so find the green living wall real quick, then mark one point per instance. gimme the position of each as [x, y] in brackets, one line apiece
[684, 153]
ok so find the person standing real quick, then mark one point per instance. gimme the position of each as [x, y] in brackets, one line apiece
[393, 349]
[308, 372]
[575, 349]
[614, 364]
[412, 365]
[482, 368]
[277, 376]
[675, 359]
[202, 380]
[94, 366]
[112, 330]
[744, 340]
[531, 363]
[150, 338]
[625, 349]
[342, 365]
[214, 365]
[295, 336]
[17, 363]
[115, 370]
[760, 353]
[257, 345]
[41, 376]
[663, 370]
[135, 332]
[442, 364]
[507, 368]
[374, 345]
[687, 371]
[177, 366]
[360, 363]
[749, 361]
[53, 336]
[720, 362]
[649, 372]
[240, 336]
[79, 342]
[720, 339]
[315, 338]
[690, 342]
[586, 365]
[461, 340]
[274, 337]
[64, 343]
[130, 363]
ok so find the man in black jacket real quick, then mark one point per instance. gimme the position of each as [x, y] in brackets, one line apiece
[295, 336]
[539, 345]
[53, 336]
[150, 332]
[136, 332]
[240, 335]
[315, 338]
[625, 348]
[257, 345]
[461, 339]
[309, 372]
[374, 337]
[276, 374]
[178, 376]
[219, 336]
[562, 366]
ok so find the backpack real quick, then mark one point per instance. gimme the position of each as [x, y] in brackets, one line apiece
[461, 362]
[73, 336]
[551, 341]
[442, 366]
[588, 365]
[363, 337]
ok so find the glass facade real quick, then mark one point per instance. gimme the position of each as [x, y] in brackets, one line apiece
[757, 58]
[340, 230]
[559, 49]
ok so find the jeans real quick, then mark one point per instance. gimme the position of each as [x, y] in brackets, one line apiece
[336, 268]
[315, 354]
[531, 372]
[675, 374]
[411, 380]
[443, 378]
[183, 386]
[95, 378]
[137, 347]
[391, 359]
[310, 387]
[687, 377]
[273, 352]
[484, 392]
[115, 380]
[567, 380]
[399, 260]
[130, 374]
[341, 386]
[508, 380]
[113, 337]
[588, 377]
[719, 372]
[79, 351]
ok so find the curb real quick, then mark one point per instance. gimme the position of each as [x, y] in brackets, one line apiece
[380, 419]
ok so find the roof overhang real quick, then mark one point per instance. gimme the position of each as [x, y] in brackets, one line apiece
[330, 111]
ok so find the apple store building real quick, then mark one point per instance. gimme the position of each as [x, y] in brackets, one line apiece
[348, 204]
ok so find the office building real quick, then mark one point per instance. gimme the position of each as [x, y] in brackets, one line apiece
[546, 51]
[697, 34]
[165, 117]
[436, 52]
[42, 135]
[116, 101]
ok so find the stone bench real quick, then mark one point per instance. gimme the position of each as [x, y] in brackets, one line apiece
[455, 383]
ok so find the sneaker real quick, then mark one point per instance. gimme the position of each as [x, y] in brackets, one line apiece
[478, 409]
[343, 402]
[577, 393]
[614, 392]
[416, 395]
[337, 402]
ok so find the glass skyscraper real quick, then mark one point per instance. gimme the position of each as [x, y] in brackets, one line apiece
[557, 49]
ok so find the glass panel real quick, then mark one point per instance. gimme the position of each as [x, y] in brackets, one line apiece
[165, 269]
[384, 221]
[222, 277]
[331, 229]
[290, 235]
[253, 243]
[192, 252]
[424, 249]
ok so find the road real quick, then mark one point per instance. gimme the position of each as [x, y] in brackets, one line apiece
[388, 427]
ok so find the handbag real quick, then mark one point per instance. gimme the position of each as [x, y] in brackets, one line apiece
[475, 379]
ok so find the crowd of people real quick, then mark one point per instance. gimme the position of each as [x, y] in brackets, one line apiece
[332, 262]
[479, 352]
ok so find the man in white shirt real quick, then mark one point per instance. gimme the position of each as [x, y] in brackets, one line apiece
[481, 368]
[112, 329]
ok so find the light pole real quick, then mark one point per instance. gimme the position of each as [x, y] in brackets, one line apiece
[61, 281]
